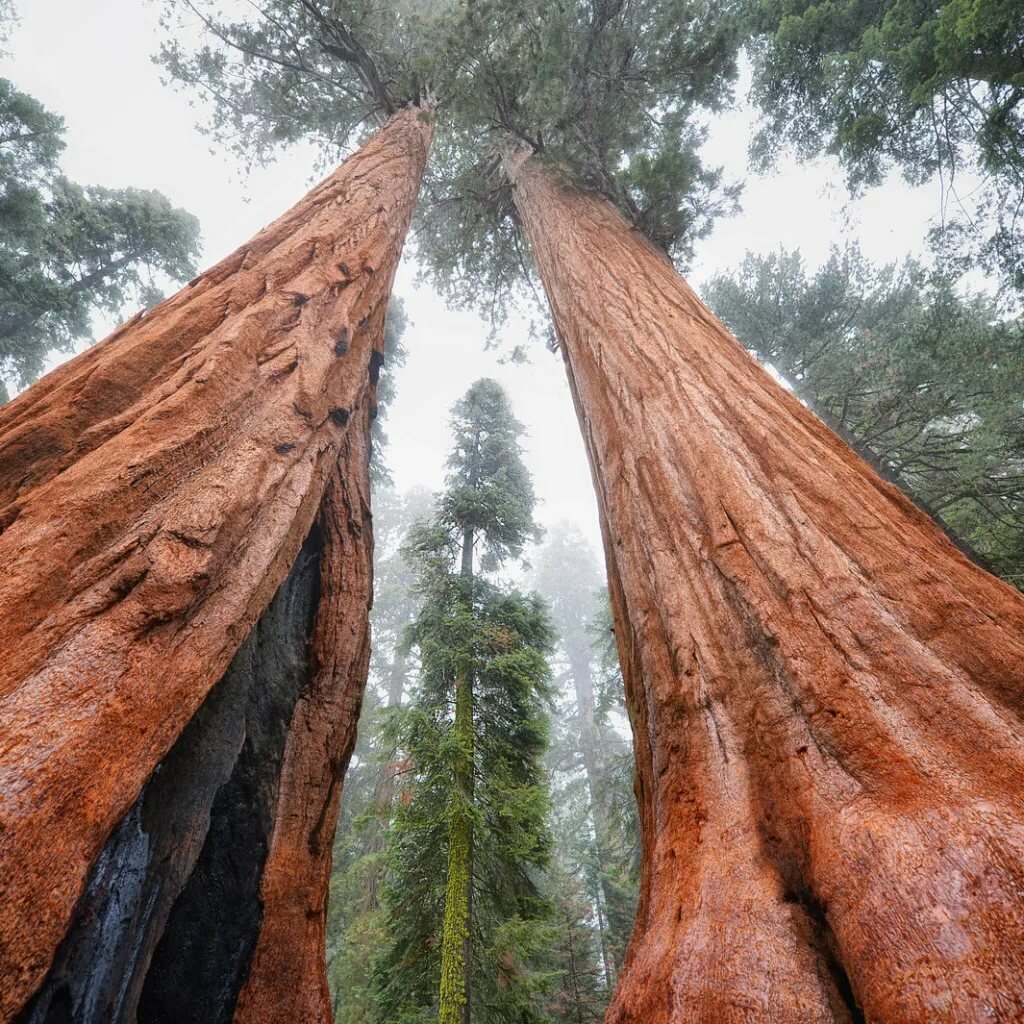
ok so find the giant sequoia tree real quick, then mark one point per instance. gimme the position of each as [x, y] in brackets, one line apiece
[826, 695]
[185, 534]
[615, 89]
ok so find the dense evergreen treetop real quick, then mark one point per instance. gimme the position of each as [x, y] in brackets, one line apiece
[68, 251]
[924, 87]
[860, 80]
[482, 769]
[611, 90]
[489, 491]
[30, 137]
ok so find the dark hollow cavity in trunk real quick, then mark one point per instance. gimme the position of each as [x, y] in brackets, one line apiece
[171, 912]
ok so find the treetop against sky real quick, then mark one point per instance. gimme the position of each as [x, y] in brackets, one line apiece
[617, 92]
[92, 66]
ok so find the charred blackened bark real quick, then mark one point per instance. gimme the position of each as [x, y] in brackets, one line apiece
[217, 876]
[172, 900]
[203, 957]
[826, 695]
[153, 494]
[288, 978]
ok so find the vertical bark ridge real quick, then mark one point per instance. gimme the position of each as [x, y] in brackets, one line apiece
[153, 494]
[826, 695]
[288, 977]
[171, 908]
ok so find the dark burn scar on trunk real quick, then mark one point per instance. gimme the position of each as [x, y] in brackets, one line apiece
[171, 911]
[376, 362]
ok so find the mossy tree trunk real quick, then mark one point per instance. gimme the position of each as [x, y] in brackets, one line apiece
[826, 696]
[454, 1005]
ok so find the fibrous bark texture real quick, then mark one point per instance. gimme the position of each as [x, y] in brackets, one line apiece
[217, 876]
[826, 695]
[170, 914]
[288, 977]
[154, 493]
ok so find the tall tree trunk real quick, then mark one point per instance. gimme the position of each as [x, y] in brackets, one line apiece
[287, 980]
[456, 938]
[153, 494]
[454, 1002]
[826, 695]
[171, 910]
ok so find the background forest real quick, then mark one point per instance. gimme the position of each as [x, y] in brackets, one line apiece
[842, 183]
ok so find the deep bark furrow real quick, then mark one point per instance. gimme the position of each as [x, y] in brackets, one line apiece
[211, 800]
[287, 979]
[825, 694]
[157, 491]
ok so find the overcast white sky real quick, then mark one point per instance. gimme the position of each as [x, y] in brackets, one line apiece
[90, 61]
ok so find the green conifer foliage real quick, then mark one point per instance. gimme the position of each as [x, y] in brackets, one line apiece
[470, 833]
[924, 381]
[580, 994]
[921, 87]
[67, 252]
[616, 92]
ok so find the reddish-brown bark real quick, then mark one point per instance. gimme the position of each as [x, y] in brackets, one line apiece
[288, 980]
[153, 494]
[826, 695]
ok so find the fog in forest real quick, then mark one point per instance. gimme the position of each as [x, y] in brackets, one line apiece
[830, 289]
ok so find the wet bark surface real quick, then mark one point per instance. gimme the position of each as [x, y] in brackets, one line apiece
[287, 979]
[154, 493]
[180, 873]
[216, 879]
[203, 956]
[826, 696]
